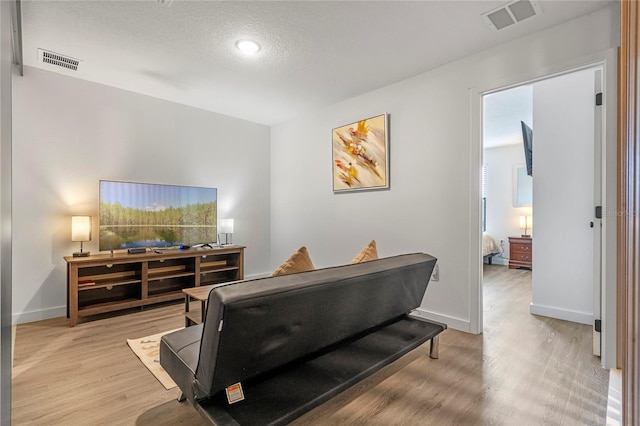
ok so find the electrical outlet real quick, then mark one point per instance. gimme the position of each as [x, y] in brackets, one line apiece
[435, 275]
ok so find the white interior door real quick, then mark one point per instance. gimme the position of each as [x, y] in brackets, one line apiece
[563, 197]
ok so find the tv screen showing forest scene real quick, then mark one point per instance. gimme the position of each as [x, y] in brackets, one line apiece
[152, 215]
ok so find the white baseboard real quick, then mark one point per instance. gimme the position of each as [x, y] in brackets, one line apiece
[614, 402]
[563, 314]
[499, 261]
[43, 314]
[451, 322]
[256, 276]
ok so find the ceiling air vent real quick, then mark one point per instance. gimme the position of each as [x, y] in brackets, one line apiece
[57, 59]
[510, 13]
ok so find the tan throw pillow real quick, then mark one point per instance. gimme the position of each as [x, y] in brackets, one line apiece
[369, 252]
[298, 262]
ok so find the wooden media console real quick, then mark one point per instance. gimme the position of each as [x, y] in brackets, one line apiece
[104, 283]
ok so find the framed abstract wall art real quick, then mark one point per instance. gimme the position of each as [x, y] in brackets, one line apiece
[361, 155]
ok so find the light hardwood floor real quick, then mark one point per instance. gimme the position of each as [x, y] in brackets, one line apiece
[524, 370]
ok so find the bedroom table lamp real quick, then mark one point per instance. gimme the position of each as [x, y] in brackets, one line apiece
[226, 228]
[525, 223]
[81, 231]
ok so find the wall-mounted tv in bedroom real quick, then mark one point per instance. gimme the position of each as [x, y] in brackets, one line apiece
[527, 141]
[152, 215]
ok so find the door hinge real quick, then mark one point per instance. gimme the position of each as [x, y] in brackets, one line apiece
[598, 99]
[598, 325]
[598, 212]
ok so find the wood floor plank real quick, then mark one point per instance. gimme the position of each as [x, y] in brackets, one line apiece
[524, 370]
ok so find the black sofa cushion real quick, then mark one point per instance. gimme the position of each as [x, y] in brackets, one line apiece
[255, 326]
[282, 395]
[179, 353]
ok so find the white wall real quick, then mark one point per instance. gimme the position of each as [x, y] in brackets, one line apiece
[503, 219]
[563, 196]
[435, 167]
[70, 133]
[5, 211]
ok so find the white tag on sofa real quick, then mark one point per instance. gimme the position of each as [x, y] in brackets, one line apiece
[234, 393]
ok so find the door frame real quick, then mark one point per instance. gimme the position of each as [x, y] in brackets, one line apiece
[607, 60]
[598, 138]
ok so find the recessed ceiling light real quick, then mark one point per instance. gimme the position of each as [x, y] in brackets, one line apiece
[247, 46]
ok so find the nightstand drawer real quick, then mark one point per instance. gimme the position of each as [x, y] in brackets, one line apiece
[522, 257]
[521, 248]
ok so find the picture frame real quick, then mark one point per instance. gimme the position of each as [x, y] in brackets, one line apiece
[360, 155]
[522, 186]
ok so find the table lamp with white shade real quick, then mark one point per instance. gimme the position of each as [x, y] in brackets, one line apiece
[525, 223]
[81, 231]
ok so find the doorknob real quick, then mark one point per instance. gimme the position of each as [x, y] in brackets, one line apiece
[591, 224]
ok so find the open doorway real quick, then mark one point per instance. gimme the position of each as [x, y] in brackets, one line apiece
[507, 187]
[555, 208]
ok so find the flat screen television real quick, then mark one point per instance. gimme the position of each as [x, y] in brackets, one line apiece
[527, 141]
[152, 215]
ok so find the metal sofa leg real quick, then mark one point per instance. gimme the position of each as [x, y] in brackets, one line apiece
[433, 350]
[181, 397]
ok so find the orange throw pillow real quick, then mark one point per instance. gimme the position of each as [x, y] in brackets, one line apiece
[369, 252]
[297, 262]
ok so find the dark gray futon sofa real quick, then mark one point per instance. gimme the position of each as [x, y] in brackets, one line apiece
[294, 341]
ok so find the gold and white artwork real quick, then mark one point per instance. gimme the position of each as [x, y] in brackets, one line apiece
[361, 155]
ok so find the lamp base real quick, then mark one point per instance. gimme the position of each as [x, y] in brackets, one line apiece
[525, 236]
[227, 239]
[81, 254]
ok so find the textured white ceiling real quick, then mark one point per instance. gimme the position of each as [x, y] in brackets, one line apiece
[314, 53]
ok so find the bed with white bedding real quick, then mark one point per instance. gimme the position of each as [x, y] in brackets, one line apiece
[489, 247]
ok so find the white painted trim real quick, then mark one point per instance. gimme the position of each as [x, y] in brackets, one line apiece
[256, 276]
[456, 323]
[614, 402]
[608, 60]
[563, 314]
[476, 160]
[499, 261]
[31, 316]
[609, 222]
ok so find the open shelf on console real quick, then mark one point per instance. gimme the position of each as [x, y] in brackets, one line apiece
[102, 283]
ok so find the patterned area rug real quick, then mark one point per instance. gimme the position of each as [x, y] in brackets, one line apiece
[148, 350]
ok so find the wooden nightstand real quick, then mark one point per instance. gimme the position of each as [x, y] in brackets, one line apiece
[520, 252]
